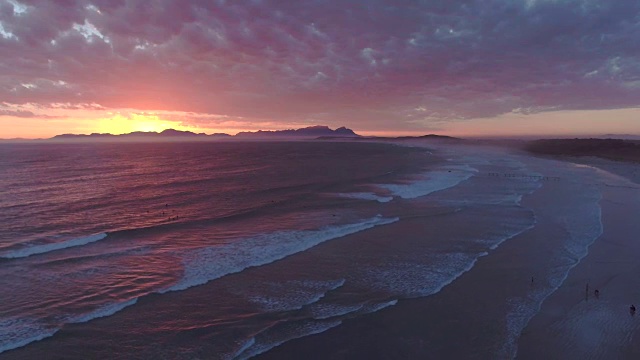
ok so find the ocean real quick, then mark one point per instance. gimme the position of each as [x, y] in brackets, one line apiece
[226, 250]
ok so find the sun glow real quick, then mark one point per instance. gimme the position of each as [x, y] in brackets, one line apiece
[119, 124]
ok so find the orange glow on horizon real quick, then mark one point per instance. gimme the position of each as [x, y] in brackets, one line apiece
[576, 123]
[119, 124]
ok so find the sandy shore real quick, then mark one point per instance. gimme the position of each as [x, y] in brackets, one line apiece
[628, 170]
[479, 314]
[574, 323]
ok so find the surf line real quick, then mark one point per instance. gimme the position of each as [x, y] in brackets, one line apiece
[525, 176]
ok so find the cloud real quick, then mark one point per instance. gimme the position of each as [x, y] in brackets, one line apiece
[17, 113]
[364, 64]
[24, 114]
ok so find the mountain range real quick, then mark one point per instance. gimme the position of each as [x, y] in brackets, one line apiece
[307, 132]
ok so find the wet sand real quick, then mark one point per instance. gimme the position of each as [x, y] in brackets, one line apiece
[625, 169]
[479, 315]
[574, 323]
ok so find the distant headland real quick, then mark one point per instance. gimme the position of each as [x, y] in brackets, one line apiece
[178, 135]
[317, 132]
[612, 149]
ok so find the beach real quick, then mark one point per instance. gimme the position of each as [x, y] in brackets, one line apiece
[479, 315]
[590, 326]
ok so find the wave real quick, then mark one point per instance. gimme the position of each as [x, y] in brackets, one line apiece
[582, 221]
[522, 310]
[365, 196]
[525, 228]
[371, 308]
[16, 333]
[286, 331]
[326, 311]
[431, 272]
[204, 265]
[104, 311]
[283, 333]
[30, 250]
[432, 181]
[246, 345]
[417, 279]
[46, 248]
[294, 295]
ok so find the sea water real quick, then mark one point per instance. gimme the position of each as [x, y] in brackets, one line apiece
[226, 250]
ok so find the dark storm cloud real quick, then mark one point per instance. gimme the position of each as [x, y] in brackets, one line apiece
[387, 63]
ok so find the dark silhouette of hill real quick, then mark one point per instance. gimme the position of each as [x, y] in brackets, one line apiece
[318, 132]
[430, 137]
[621, 136]
[177, 135]
[171, 134]
[442, 138]
[311, 131]
[613, 149]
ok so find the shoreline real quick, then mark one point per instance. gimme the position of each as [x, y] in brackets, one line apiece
[625, 169]
[445, 324]
[574, 323]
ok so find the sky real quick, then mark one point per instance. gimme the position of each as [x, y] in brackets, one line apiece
[380, 67]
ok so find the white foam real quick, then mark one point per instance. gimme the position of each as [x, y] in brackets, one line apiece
[204, 265]
[377, 307]
[366, 196]
[284, 332]
[495, 190]
[294, 295]
[247, 344]
[103, 311]
[428, 273]
[432, 181]
[322, 311]
[424, 278]
[15, 333]
[41, 249]
[503, 239]
[201, 266]
[523, 310]
[273, 337]
[582, 219]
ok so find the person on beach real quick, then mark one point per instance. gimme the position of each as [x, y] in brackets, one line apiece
[586, 293]
[632, 309]
[596, 293]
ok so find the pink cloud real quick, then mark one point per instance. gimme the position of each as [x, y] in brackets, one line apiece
[364, 64]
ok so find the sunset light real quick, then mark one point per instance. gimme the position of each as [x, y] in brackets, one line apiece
[119, 124]
[305, 179]
[445, 67]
